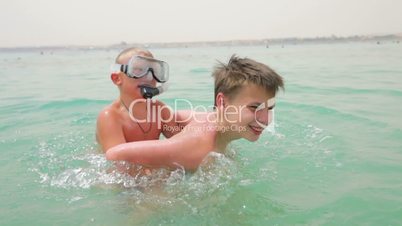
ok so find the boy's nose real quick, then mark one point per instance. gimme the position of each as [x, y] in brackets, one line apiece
[149, 76]
[264, 116]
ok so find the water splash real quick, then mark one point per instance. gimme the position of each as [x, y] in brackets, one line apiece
[73, 162]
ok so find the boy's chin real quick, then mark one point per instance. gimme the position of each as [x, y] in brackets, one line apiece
[251, 137]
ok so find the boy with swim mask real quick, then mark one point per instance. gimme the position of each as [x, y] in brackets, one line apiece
[137, 74]
[245, 93]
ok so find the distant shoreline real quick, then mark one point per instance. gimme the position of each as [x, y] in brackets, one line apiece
[378, 39]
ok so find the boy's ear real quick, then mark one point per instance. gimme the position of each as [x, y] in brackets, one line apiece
[116, 79]
[220, 100]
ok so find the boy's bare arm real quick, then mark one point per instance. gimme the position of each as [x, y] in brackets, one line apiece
[109, 130]
[186, 150]
[169, 125]
[179, 120]
[184, 117]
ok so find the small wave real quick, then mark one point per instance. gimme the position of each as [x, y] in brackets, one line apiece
[332, 111]
[380, 71]
[344, 90]
[72, 103]
[314, 145]
[200, 70]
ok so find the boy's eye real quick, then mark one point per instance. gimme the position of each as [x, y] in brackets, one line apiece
[138, 70]
[253, 107]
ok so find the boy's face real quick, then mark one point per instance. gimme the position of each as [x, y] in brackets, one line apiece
[129, 86]
[249, 111]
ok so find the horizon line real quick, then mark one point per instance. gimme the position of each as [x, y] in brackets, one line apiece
[397, 35]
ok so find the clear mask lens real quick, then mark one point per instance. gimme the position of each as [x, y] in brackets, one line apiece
[140, 66]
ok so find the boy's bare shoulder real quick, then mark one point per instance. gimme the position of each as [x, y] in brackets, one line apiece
[109, 127]
[109, 113]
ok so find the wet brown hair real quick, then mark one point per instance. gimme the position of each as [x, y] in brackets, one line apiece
[230, 77]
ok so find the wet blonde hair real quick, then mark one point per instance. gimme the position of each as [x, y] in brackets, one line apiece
[128, 53]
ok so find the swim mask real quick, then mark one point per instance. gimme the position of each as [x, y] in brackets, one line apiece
[139, 66]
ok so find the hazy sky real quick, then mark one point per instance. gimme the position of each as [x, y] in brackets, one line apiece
[99, 22]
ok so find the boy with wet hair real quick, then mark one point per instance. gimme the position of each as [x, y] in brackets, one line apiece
[244, 98]
[136, 73]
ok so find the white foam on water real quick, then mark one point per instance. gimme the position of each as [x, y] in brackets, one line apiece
[85, 168]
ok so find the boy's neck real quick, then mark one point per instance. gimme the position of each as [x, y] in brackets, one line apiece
[221, 142]
[127, 100]
[223, 136]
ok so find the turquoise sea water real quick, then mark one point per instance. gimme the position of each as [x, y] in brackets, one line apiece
[334, 158]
